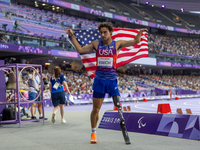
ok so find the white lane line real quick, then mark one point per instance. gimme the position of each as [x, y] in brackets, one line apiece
[186, 103]
[156, 104]
[173, 104]
[153, 105]
[136, 106]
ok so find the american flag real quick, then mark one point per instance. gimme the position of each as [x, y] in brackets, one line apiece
[125, 56]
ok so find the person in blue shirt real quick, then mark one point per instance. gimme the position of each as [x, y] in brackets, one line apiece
[57, 93]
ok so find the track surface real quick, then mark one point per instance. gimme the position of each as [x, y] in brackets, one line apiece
[150, 106]
[75, 134]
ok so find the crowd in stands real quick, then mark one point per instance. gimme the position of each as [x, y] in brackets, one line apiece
[157, 43]
[131, 83]
[174, 45]
[5, 38]
[172, 81]
[80, 83]
[44, 17]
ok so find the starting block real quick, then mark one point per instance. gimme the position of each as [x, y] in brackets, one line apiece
[124, 108]
[128, 108]
[188, 112]
[179, 111]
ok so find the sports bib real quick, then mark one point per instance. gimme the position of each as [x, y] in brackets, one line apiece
[106, 62]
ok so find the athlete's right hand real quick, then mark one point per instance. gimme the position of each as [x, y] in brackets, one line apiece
[69, 32]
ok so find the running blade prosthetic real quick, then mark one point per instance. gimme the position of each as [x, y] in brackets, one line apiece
[124, 132]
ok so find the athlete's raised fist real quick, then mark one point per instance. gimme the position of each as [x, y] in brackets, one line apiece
[143, 30]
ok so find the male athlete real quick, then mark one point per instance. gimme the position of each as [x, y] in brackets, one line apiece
[106, 78]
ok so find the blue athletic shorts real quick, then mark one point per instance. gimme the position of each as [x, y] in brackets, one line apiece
[58, 98]
[32, 96]
[101, 87]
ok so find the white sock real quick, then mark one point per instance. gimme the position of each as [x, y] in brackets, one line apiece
[40, 115]
[93, 130]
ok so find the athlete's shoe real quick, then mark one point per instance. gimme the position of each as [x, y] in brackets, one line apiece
[93, 138]
[53, 119]
[63, 121]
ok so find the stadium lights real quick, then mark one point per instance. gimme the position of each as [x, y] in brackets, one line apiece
[140, 65]
[147, 3]
[182, 9]
[53, 6]
[57, 7]
[152, 5]
[43, 4]
[135, 65]
[64, 61]
[163, 6]
[47, 64]
[55, 57]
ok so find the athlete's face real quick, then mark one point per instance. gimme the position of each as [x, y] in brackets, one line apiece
[105, 33]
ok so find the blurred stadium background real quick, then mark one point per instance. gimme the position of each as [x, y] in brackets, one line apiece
[33, 32]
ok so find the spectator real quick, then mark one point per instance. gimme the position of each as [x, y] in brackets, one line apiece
[79, 25]
[58, 93]
[174, 45]
[7, 38]
[47, 96]
[15, 25]
[17, 41]
[3, 39]
[33, 92]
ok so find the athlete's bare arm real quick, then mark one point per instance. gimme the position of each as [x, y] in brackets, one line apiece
[121, 43]
[85, 49]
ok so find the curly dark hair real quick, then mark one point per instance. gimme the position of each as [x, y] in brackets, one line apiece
[108, 25]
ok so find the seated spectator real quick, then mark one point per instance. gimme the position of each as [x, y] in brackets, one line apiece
[7, 38]
[79, 25]
[3, 39]
[17, 41]
[15, 27]
[174, 45]
[62, 37]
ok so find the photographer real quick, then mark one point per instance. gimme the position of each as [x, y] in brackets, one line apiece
[34, 85]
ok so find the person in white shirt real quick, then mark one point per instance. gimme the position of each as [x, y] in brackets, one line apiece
[34, 87]
[33, 92]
